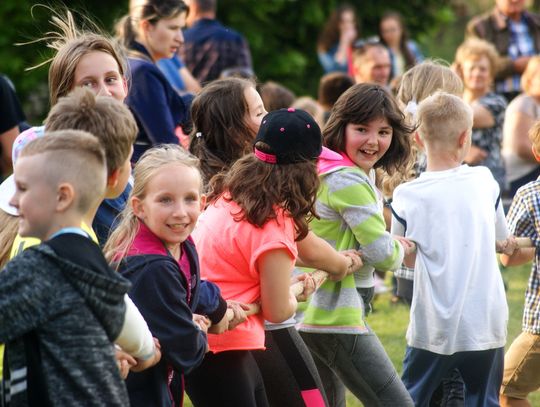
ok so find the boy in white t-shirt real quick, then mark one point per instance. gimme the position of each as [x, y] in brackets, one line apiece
[453, 213]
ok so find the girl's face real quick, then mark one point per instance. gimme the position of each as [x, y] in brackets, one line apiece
[477, 74]
[366, 143]
[170, 208]
[256, 110]
[347, 21]
[99, 71]
[391, 31]
[164, 38]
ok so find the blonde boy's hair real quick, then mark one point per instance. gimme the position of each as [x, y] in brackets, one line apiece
[75, 157]
[146, 168]
[106, 118]
[530, 71]
[473, 49]
[534, 136]
[442, 118]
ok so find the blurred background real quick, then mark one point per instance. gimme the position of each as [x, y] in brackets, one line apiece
[282, 35]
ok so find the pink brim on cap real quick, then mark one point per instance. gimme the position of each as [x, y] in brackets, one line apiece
[7, 190]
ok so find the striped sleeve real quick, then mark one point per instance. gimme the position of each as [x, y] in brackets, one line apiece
[354, 199]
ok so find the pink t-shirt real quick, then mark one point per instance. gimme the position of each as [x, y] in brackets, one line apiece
[228, 252]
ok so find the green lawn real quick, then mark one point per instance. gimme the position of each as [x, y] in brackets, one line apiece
[390, 322]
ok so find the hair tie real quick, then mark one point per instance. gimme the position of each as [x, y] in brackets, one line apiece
[198, 134]
[412, 108]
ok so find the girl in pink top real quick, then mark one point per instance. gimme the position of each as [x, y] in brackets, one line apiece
[247, 243]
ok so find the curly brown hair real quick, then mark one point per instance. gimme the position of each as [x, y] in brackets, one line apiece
[258, 187]
[361, 104]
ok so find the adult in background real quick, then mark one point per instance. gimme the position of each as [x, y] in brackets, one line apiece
[515, 33]
[150, 32]
[11, 115]
[404, 52]
[522, 112]
[334, 46]
[210, 47]
[371, 62]
[475, 63]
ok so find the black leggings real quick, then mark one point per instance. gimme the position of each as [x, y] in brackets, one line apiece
[227, 379]
[288, 370]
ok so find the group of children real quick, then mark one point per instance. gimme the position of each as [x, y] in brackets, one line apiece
[206, 257]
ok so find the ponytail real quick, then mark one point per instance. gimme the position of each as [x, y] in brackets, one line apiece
[124, 30]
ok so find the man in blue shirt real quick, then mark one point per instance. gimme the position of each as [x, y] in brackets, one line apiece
[209, 47]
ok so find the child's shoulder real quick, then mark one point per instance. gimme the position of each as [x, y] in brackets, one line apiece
[530, 189]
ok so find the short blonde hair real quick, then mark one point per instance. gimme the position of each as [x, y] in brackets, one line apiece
[75, 157]
[106, 118]
[531, 70]
[534, 136]
[475, 48]
[442, 118]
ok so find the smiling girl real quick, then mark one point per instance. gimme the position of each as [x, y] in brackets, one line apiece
[152, 31]
[367, 128]
[154, 250]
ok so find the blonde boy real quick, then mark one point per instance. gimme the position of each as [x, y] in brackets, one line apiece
[60, 304]
[453, 213]
[522, 361]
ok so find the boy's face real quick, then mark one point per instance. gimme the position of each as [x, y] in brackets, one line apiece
[35, 197]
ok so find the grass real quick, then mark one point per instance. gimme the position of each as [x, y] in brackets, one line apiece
[390, 323]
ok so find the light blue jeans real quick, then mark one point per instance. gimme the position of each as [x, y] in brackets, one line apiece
[361, 363]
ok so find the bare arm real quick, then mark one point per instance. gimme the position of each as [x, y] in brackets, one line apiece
[520, 256]
[482, 117]
[192, 84]
[277, 302]
[516, 127]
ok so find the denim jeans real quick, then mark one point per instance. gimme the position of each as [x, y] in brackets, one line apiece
[362, 365]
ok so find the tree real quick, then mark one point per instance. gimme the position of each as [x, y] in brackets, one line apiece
[282, 35]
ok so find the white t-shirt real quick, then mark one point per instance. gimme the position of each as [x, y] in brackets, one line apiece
[459, 303]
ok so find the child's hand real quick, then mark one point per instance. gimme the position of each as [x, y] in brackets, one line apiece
[308, 283]
[151, 361]
[124, 361]
[409, 246]
[238, 311]
[507, 246]
[355, 260]
[202, 322]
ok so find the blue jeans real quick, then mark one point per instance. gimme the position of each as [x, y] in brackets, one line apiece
[481, 371]
[362, 365]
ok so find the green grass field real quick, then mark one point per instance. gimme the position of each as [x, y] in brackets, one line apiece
[390, 322]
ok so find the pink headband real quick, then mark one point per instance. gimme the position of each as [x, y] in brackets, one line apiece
[267, 158]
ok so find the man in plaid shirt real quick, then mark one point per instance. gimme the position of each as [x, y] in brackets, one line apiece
[522, 360]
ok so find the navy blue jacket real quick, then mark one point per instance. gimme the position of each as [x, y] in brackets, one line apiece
[160, 291]
[157, 108]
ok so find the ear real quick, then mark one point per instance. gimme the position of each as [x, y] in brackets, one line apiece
[536, 154]
[138, 207]
[125, 85]
[112, 180]
[463, 138]
[145, 26]
[65, 197]
[203, 202]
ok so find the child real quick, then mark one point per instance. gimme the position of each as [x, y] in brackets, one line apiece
[226, 116]
[61, 305]
[453, 213]
[366, 127]
[154, 250]
[115, 128]
[91, 60]
[522, 358]
[248, 244]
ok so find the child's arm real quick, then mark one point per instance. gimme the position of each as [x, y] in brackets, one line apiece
[398, 231]
[277, 302]
[212, 304]
[316, 253]
[135, 338]
[161, 296]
